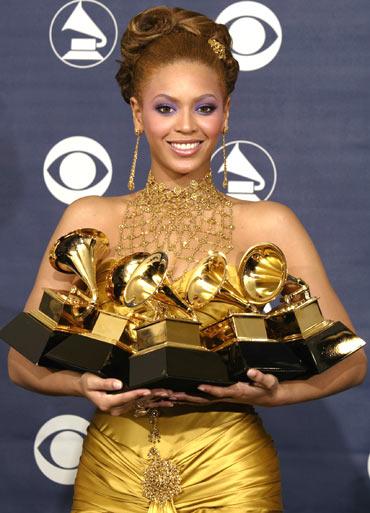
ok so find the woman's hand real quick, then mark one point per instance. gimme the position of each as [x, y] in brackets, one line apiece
[263, 390]
[96, 390]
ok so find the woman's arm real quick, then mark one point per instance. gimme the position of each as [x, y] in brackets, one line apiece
[272, 222]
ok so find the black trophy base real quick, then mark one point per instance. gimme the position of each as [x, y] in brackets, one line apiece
[86, 354]
[55, 349]
[31, 338]
[327, 347]
[269, 357]
[177, 368]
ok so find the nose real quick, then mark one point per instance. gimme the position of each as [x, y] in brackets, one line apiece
[185, 121]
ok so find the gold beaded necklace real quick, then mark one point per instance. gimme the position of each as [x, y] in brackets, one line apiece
[184, 222]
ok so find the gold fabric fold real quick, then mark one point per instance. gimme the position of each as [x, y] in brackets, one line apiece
[226, 459]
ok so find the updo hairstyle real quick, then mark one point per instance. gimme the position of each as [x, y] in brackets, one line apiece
[163, 35]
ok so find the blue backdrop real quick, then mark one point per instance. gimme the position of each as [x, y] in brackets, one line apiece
[299, 134]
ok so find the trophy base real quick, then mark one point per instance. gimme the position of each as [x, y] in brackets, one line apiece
[242, 341]
[41, 341]
[270, 357]
[84, 353]
[177, 367]
[289, 322]
[322, 348]
[31, 338]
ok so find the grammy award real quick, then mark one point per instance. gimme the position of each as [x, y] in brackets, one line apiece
[241, 337]
[169, 352]
[298, 321]
[69, 330]
[154, 337]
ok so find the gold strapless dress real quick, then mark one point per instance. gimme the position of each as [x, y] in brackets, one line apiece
[226, 459]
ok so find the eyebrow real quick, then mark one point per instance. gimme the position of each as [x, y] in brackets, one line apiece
[172, 99]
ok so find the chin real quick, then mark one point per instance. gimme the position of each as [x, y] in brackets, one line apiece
[189, 167]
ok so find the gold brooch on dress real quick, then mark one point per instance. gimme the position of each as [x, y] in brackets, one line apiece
[162, 480]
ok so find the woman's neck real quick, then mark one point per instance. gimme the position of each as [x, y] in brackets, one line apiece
[172, 179]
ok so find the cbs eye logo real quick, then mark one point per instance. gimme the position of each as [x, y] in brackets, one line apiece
[58, 446]
[256, 33]
[84, 168]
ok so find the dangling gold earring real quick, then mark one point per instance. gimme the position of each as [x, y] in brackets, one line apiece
[224, 132]
[131, 180]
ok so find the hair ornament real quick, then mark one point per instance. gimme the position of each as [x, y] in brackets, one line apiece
[218, 48]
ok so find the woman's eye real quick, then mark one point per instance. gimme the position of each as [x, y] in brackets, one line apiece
[206, 109]
[164, 109]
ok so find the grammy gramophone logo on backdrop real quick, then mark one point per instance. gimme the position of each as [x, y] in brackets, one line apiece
[76, 167]
[256, 33]
[251, 170]
[83, 33]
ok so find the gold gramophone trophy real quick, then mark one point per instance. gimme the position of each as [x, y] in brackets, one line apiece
[298, 321]
[241, 337]
[169, 351]
[69, 330]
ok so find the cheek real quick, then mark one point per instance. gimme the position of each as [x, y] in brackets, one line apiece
[212, 125]
[155, 125]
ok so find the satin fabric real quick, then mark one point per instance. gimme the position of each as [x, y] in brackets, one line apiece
[226, 460]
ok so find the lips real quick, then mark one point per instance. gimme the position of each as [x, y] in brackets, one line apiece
[185, 148]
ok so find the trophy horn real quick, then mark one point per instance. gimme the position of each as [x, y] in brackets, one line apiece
[120, 274]
[262, 273]
[208, 282]
[78, 253]
[149, 282]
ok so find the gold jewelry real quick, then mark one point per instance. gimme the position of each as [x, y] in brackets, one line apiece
[162, 480]
[218, 48]
[183, 222]
[131, 180]
[140, 409]
[224, 132]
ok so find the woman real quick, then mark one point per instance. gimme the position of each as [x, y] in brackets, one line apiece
[177, 75]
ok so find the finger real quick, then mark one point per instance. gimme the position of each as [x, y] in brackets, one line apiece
[182, 396]
[220, 392]
[126, 397]
[268, 381]
[94, 382]
[159, 404]
[161, 392]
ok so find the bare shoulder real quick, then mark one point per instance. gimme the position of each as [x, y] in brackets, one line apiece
[266, 209]
[265, 221]
[102, 213]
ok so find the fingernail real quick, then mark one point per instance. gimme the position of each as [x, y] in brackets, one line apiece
[202, 388]
[117, 385]
[252, 373]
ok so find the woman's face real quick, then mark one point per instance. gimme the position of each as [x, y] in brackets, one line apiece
[182, 113]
